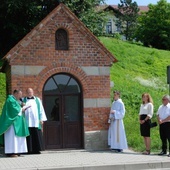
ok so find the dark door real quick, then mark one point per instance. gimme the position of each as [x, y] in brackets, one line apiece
[71, 122]
[62, 102]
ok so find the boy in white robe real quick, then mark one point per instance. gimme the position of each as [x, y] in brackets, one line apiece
[116, 133]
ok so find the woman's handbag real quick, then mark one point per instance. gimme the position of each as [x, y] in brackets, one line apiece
[154, 124]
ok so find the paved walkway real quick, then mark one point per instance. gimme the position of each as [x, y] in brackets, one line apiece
[85, 160]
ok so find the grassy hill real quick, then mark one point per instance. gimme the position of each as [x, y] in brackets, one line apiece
[138, 70]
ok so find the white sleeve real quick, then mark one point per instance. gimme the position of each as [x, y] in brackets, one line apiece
[20, 113]
[42, 112]
[119, 114]
[150, 110]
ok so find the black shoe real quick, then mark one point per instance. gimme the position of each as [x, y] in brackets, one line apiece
[168, 155]
[36, 152]
[113, 149]
[162, 153]
[119, 150]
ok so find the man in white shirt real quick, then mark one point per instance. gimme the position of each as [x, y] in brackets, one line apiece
[35, 116]
[163, 116]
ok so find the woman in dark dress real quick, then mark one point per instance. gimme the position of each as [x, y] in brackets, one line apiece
[145, 115]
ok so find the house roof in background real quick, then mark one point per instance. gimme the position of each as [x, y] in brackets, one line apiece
[114, 8]
[142, 8]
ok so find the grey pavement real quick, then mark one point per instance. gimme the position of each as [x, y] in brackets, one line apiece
[85, 160]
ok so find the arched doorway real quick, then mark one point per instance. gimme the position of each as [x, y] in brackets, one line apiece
[62, 99]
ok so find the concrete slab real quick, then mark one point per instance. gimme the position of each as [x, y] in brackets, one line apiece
[85, 160]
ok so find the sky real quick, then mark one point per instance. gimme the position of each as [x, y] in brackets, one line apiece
[139, 2]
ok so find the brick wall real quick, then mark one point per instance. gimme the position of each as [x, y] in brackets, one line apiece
[34, 59]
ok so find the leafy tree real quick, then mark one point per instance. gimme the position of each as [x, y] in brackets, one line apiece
[18, 17]
[87, 11]
[154, 26]
[127, 17]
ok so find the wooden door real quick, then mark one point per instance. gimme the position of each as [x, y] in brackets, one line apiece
[53, 125]
[71, 122]
[63, 107]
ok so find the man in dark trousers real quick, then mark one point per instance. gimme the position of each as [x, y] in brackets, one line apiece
[163, 116]
[35, 116]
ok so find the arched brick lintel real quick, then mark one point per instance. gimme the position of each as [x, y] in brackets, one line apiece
[55, 68]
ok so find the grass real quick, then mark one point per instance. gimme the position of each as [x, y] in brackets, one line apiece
[2, 90]
[138, 70]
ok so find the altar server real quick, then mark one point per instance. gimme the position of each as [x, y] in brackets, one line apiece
[116, 133]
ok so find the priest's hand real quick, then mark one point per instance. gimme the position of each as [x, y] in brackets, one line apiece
[23, 109]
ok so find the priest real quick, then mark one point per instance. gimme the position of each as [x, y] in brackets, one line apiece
[35, 116]
[13, 129]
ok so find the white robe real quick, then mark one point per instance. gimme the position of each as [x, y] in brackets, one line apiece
[13, 143]
[116, 133]
[31, 114]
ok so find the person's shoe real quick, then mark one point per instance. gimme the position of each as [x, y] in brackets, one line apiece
[36, 152]
[169, 155]
[13, 155]
[162, 153]
[113, 150]
[147, 152]
[119, 150]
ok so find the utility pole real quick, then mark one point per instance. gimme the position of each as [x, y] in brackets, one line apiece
[168, 77]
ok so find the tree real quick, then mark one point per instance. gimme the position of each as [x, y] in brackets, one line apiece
[88, 13]
[18, 17]
[127, 17]
[154, 26]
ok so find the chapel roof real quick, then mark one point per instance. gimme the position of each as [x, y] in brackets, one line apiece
[60, 8]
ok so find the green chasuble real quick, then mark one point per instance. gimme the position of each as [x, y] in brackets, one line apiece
[10, 116]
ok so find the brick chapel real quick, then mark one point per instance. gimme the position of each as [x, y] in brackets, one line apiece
[69, 69]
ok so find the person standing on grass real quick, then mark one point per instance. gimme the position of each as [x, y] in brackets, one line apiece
[116, 133]
[163, 116]
[145, 115]
[13, 126]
